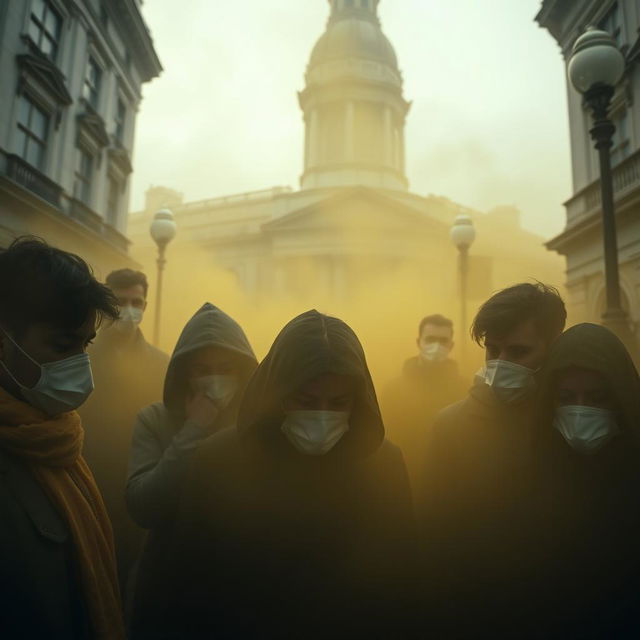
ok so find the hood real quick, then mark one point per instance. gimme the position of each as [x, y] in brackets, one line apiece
[311, 345]
[592, 346]
[209, 327]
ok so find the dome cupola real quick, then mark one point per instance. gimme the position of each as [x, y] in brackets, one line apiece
[353, 106]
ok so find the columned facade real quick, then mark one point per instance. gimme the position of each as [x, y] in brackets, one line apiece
[353, 106]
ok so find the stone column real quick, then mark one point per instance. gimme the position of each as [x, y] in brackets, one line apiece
[349, 137]
[388, 137]
[314, 151]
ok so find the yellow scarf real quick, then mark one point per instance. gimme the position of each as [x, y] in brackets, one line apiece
[51, 447]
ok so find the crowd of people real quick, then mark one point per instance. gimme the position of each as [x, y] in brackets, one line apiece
[212, 495]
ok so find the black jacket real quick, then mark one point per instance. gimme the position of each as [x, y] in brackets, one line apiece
[276, 544]
[40, 595]
[589, 519]
[162, 451]
[474, 506]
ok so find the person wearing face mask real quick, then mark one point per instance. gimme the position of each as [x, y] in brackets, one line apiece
[588, 482]
[429, 382]
[208, 371]
[57, 562]
[128, 374]
[298, 522]
[477, 470]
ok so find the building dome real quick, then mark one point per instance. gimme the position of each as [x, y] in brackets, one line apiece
[353, 37]
[353, 106]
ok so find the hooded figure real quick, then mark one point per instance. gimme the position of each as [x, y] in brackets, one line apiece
[588, 483]
[292, 527]
[208, 371]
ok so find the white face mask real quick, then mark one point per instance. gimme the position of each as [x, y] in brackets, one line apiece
[219, 388]
[510, 382]
[315, 433]
[129, 318]
[434, 352]
[63, 385]
[586, 429]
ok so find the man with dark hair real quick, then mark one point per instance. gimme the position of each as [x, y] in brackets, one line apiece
[56, 547]
[429, 382]
[475, 495]
[129, 375]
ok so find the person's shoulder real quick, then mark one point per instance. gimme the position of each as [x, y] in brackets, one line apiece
[452, 416]
[389, 452]
[153, 416]
[153, 353]
[221, 445]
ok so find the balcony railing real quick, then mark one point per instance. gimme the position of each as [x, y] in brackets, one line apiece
[626, 179]
[30, 178]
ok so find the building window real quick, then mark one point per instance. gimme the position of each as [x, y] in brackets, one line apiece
[45, 27]
[91, 89]
[113, 202]
[348, 3]
[364, 4]
[613, 25]
[620, 147]
[83, 177]
[33, 129]
[120, 119]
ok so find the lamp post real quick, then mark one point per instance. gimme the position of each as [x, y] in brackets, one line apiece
[163, 230]
[463, 233]
[595, 68]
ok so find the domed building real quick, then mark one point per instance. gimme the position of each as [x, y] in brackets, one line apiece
[353, 219]
[353, 106]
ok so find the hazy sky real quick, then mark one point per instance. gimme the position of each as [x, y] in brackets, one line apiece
[488, 124]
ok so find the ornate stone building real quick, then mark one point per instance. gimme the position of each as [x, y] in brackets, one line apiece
[70, 79]
[581, 241]
[353, 220]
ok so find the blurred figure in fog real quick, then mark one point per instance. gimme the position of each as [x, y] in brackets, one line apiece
[128, 374]
[478, 464]
[209, 369]
[588, 479]
[297, 523]
[429, 382]
[58, 574]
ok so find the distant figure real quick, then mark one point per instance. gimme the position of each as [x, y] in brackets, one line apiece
[429, 382]
[478, 465]
[128, 373]
[58, 574]
[588, 479]
[297, 523]
[209, 369]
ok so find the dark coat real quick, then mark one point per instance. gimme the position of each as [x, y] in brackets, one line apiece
[164, 443]
[410, 404]
[127, 377]
[589, 521]
[40, 596]
[474, 512]
[277, 544]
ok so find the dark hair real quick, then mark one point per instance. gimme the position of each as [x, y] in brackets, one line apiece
[39, 283]
[435, 319]
[125, 278]
[508, 308]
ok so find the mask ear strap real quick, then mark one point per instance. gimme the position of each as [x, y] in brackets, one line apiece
[22, 351]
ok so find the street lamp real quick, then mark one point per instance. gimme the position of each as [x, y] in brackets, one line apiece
[463, 233]
[595, 68]
[163, 230]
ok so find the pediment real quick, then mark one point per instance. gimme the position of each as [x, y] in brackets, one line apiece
[41, 69]
[91, 124]
[356, 209]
